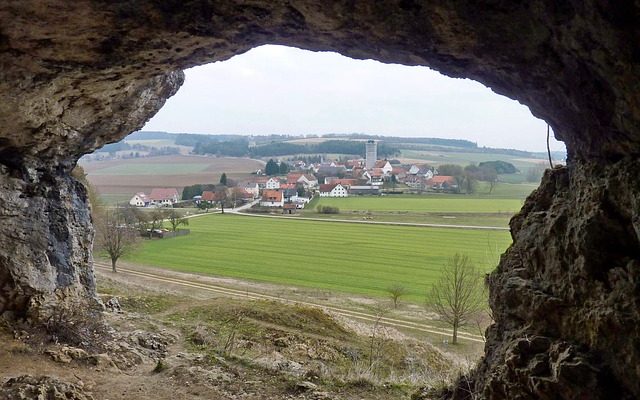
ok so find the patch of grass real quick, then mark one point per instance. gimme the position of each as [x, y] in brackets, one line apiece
[150, 304]
[351, 258]
[426, 203]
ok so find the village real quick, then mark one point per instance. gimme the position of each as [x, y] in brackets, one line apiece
[295, 189]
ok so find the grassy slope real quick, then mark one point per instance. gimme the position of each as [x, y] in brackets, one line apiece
[353, 258]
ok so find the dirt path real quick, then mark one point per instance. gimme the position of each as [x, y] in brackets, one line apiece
[349, 221]
[191, 281]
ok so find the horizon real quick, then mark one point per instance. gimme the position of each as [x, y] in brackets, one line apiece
[339, 137]
[282, 90]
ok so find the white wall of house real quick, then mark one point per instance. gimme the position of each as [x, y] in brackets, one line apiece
[137, 201]
[337, 191]
[265, 203]
[273, 183]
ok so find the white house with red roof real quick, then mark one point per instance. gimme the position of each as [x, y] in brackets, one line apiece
[272, 183]
[384, 165]
[163, 196]
[140, 200]
[333, 190]
[272, 198]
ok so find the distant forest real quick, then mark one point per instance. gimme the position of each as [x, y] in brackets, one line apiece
[240, 148]
[277, 145]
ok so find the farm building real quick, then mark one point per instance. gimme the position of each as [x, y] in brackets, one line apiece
[309, 181]
[140, 200]
[333, 190]
[442, 182]
[163, 196]
[364, 190]
[272, 198]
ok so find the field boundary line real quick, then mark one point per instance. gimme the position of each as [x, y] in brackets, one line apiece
[260, 296]
[348, 221]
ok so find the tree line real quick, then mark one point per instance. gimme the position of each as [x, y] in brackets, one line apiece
[241, 148]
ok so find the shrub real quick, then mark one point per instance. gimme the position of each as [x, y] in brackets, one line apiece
[328, 210]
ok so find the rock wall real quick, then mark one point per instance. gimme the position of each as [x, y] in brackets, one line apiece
[76, 75]
[565, 296]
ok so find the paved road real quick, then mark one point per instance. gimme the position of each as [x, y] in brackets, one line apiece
[246, 294]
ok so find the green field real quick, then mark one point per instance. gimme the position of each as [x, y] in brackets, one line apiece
[425, 203]
[351, 258]
[465, 158]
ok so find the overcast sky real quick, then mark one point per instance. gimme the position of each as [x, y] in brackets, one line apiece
[283, 90]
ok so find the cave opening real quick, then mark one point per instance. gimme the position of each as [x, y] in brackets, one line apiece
[564, 295]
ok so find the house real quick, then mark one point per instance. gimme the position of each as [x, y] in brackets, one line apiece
[210, 197]
[343, 181]
[385, 166]
[426, 172]
[251, 187]
[377, 176]
[333, 190]
[442, 182]
[292, 177]
[140, 200]
[308, 181]
[289, 208]
[364, 190]
[289, 193]
[414, 181]
[272, 198]
[272, 183]
[400, 173]
[261, 181]
[240, 194]
[163, 196]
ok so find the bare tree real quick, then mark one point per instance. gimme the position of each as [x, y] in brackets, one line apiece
[175, 220]
[458, 295]
[395, 292]
[113, 236]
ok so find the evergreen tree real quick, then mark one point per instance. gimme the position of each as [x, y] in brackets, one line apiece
[272, 168]
[284, 168]
[223, 179]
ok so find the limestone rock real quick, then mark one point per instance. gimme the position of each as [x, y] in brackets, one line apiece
[27, 387]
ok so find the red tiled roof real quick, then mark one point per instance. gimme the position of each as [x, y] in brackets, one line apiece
[344, 181]
[325, 188]
[399, 170]
[440, 179]
[287, 186]
[159, 194]
[272, 195]
[377, 172]
[380, 163]
[293, 177]
[209, 196]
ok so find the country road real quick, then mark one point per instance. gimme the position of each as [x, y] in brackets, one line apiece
[192, 282]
